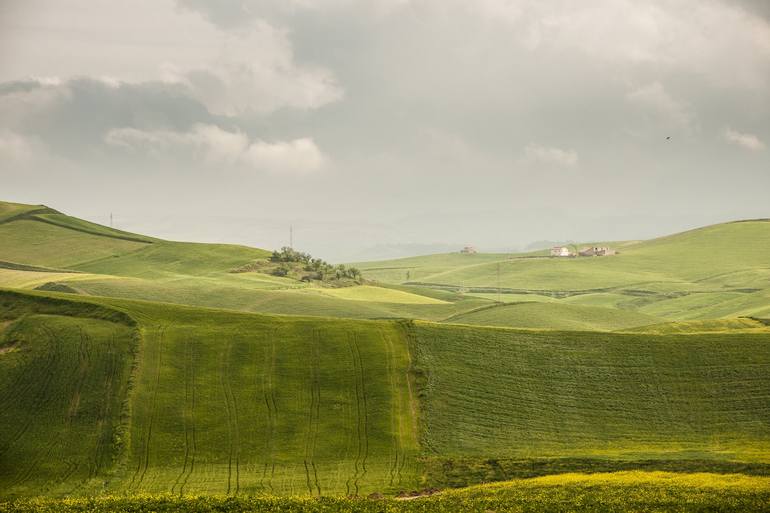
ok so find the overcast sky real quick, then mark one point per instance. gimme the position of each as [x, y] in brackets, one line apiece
[384, 122]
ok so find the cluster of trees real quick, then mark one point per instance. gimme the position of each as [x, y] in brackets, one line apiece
[318, 269]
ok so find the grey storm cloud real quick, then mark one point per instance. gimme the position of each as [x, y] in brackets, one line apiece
[77, 113]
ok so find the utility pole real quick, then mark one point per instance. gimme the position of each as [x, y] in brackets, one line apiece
[110, 219]
[291, 236]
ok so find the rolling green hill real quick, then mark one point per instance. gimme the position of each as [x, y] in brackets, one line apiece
[496, 393]
[220, 402]
[46, 249]
[712, 272]
[560, 316]
[213, 401]
[720, 271]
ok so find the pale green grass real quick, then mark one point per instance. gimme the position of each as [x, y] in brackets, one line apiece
[9, 210]
[510, 298]
[37, 243]
[554, 315]
[708, 326]
[378, 295]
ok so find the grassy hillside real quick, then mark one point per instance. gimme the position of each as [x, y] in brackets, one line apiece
[221, 402]
[558, 316]
[63, 381]
[712, 272]
[226, 402]
[720, 271]
[49, 250]
[494, 393]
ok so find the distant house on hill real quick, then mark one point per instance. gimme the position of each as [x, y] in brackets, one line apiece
[596, 251]
[560, 251]
[469, 250]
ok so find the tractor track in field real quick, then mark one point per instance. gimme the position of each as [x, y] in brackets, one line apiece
[268, 395]
[39, 400]
[395, 413]
[40, 396]
[22, 386]
[190, 442]
[82, 371]
[26, 474]
[141, 470]
[314, 414]
[232, 423]
[362, 428]
[104, 412]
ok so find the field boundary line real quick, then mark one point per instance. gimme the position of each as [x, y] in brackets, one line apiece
[142, 469]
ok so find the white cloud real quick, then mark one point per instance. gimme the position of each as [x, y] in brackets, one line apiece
[15, 148]
[300, 156]
[717, 40]
[746, 141]
[214, 145]
[655, 99]
[255, 72]
[551, 156]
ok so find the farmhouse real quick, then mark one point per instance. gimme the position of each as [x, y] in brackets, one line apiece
[596, 251]
[560, 251]
[469, 250]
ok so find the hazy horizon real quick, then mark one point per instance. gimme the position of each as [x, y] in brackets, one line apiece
[388, 126]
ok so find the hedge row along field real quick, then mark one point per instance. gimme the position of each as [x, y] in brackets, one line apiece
[579, 493]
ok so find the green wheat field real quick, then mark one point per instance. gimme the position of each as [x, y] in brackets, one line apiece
[138, 374]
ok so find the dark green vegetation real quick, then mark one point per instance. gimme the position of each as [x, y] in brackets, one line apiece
[302, 266]
[133, 365]
[578, 394]
[221, 402]
[63, 383]
[228, 402]
[597, 493]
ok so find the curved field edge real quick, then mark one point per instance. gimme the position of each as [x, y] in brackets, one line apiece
[64, 388]
[451, 374]
[589, 493]
[227, 402]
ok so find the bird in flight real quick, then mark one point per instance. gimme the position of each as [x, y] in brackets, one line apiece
[668, 138]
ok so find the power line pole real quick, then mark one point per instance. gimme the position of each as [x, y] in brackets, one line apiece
[291, 236]
[110, 219]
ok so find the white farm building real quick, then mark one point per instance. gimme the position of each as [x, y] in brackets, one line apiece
[560, 251]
